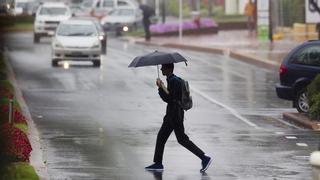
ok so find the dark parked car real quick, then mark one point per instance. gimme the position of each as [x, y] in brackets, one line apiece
[297, 70]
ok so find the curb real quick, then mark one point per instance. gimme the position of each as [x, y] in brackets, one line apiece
[219, 51]
[36, 158]
[261, 62]
[302, 120]
[245, 57]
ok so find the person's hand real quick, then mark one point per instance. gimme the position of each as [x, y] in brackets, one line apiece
[159, 82]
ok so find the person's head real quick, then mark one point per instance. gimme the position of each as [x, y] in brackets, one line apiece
[167, 69]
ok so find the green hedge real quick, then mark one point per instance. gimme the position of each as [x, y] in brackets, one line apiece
[19, 171]
[3, 71]
[12, 20]
[313, 93]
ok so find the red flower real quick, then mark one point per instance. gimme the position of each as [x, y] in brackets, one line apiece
[18, 117]
[16, 145]
[6, 93]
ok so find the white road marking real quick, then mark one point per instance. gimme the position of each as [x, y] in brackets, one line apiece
[291, 137]
[302, 157]
[302, 144]
[231, 110]
[280, 133]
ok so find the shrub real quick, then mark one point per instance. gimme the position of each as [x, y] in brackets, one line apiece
[19, 171]
[6, 89]
[16, 146]
[4, 112]
[18, 117]
[314, 111]
[313, 93]
[173, 8]
[187, 25]
[11, 20]
[3, 73]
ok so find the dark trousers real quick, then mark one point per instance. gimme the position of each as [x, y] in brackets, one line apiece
[146, 25]
[174, 123]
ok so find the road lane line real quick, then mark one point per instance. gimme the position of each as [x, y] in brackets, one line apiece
[291, 137]
[302, 144]
[231, 110]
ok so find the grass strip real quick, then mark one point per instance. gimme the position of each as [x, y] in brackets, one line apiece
[18, 27]
[5, 102]
[19, 171]
[22, 127]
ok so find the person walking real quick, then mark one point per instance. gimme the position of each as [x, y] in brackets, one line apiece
[249, 11]
[147, 12]
[173, 121]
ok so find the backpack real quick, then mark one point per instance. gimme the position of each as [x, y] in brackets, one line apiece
[186, 99]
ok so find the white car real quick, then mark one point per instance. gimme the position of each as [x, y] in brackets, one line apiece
[76, 40]
[101, 8]
[48, 16]
[123, 19]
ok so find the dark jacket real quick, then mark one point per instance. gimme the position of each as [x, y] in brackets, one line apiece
[172, 99]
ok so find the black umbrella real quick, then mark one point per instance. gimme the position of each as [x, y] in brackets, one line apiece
[157, 58]
[147, 10]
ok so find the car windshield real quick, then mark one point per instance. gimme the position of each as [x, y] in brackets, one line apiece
[87, 4]
[107, 3]
[76, 30]
[22, 5]
[122, 12]
[53, 11]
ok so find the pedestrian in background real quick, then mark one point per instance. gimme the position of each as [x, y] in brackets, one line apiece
[249, 11]
[147, 13]
[173, 121]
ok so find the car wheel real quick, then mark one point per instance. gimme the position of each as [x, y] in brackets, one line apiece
[54, 62]
[36, 38]
[96, 63]
[301, 102]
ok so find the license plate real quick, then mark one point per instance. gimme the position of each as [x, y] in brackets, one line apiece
[50, 33]
[76, 53]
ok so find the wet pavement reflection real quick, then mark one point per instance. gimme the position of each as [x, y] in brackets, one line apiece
[101, 123]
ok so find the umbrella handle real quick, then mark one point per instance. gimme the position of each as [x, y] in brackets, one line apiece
[158, 71]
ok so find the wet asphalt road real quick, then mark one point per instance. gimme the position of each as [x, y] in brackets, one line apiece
[101, 123]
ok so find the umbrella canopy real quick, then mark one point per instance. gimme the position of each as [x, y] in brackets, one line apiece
[147, 10]
[157, 58]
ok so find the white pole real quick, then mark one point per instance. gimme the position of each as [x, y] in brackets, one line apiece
[180, 20]
[157, 7]
[10, 111]
[158, 71]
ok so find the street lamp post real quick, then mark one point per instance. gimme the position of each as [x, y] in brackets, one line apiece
[163, 7]
[180, 20]
[157, 7]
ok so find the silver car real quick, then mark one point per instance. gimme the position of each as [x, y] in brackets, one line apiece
[76, 40]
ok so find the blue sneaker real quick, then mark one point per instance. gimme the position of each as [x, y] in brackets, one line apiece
[205, 163]
[154, 167]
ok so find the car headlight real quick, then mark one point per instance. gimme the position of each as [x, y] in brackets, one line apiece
[125, 28]
[95, 45]
[101, 37]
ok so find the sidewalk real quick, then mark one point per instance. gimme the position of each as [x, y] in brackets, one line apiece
[236, 43]
[239, 45]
